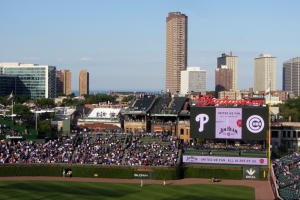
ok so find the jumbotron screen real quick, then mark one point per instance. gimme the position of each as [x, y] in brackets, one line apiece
[238, 123]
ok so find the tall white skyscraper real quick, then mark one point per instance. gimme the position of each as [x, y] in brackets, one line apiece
[265, 73]
[291, 76]
[193, 80]
[232, 63]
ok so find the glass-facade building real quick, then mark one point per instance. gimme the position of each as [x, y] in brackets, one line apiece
[36, 81]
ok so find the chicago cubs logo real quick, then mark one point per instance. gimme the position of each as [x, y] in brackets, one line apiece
[255, 124]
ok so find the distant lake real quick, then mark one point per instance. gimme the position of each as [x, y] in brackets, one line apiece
[107, 91]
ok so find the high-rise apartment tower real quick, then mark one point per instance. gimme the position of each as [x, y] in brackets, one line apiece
[223, 80]
[67, 82]
[232, 63]
[84, 82]
[64, 82]
[291, 76]
[265, 73]
[176, 49]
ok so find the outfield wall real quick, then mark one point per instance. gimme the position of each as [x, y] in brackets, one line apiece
[125, 172]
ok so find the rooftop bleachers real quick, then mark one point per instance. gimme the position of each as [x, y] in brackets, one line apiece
[161, 104]
[143, 104]
[177, 104]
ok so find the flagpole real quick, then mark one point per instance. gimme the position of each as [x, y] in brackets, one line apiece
[12, 109]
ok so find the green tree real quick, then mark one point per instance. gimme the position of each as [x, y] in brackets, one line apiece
[210, 92]
[45, 102]
[52, 115]
[20, 109]
[127, 98]
[20, 99]
[60, 94]
[45, 128]
[290, 108]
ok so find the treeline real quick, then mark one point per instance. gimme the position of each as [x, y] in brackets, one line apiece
[290, 109]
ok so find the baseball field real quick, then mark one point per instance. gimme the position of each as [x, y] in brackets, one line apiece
[33, 189]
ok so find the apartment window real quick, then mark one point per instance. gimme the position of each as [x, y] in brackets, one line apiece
[274, 134]
[288, 134]
[284, 134]
[294, 134]
[181, 131]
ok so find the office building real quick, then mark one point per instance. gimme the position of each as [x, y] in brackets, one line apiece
[193, 80]
[265, 73]
[232, 63]
[83, 82]
[290, 76]
[36, 81]
[223, 80]
[9, 85]
[176, 49]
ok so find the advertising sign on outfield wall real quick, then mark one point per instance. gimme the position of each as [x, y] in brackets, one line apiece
[225, 160]
[250, 123]
[143, 175]
[251, 173]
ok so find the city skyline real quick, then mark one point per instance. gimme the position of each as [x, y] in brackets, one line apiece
[123, 48]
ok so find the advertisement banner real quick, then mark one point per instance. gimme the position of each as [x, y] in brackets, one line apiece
[142, 175]
[225, 160]
[251, 173]
[229, 123]
[236, 123]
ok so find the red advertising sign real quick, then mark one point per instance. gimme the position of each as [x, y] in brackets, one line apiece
[208, 100]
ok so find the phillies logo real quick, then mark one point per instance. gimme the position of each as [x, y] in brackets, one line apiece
[202, 119]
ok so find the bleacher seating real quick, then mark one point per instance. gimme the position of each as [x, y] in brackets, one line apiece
[143, 104]
[287, 174]
[161, 104]
[96, 148]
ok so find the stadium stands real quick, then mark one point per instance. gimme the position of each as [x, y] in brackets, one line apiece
[287, 174]
[161, 104]
[96, 148]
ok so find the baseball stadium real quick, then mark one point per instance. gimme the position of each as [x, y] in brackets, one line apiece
[155, 147]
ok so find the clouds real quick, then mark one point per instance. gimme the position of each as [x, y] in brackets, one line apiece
[31, 58]
[85, 59]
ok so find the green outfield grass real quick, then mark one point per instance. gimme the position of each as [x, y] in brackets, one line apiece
[83, 190]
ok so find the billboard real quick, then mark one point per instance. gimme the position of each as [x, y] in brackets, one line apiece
[251, 173]
[237, 123]
[225, 160]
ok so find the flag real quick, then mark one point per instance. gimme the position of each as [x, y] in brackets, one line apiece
[268, 90]
[10, 96]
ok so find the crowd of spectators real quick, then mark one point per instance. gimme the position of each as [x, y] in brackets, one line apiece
[105, 149]
[287, 176]
[152, 149]
[140, 149]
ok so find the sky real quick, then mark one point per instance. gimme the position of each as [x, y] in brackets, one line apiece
[122, 44]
